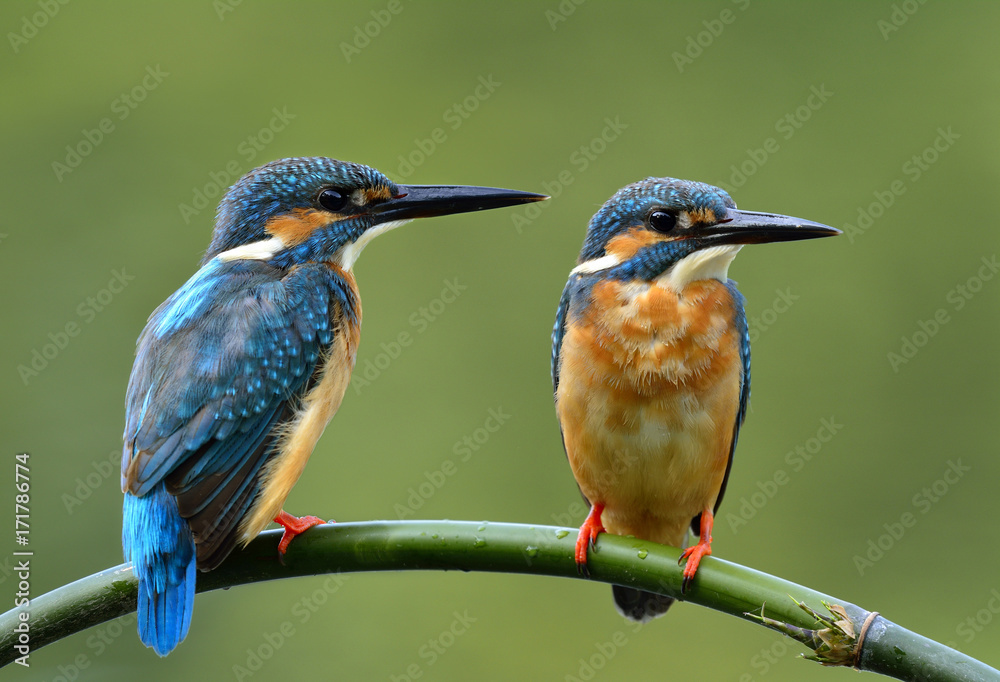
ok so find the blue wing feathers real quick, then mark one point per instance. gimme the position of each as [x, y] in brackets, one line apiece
[154, 468]
[200, 428]
[220, 509]
[558, 331]
[744, 334]
[739, 303]
[233, 347]
[221, 455]
[218, 366]
[187, 303]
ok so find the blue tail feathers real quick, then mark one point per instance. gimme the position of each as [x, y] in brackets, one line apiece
[158, 542]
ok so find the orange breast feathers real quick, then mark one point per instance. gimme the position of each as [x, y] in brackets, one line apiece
[648, 395]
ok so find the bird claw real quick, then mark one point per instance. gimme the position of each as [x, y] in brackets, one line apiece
[693, 555]
[587, 538]
[294, 526]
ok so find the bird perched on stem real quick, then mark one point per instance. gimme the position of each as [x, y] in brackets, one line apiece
[238, 372]
[651, 365]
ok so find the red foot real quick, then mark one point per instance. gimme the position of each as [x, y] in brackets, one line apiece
[694, 554]
[294, 526]
[589, 531]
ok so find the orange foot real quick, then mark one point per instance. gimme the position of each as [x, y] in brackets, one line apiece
[294, 526]
[589, 531]
[693, 555]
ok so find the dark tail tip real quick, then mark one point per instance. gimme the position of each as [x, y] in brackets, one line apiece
[638, 605]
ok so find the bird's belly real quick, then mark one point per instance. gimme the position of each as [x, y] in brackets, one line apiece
[655, 476]
[648, 398]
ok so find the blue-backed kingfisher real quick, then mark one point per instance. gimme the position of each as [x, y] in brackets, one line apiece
[238, 372]
[651, 365]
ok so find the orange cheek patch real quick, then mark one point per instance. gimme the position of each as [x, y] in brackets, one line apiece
[296, 227]
[626, 245]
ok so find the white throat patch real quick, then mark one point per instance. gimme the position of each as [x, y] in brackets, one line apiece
[710, 263]
[347, 255]
[596, 265]
[263, 250]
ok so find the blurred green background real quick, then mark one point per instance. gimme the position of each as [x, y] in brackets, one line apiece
[879, 118]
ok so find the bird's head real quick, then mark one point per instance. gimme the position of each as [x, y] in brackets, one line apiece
[320, 209]
[686, 230]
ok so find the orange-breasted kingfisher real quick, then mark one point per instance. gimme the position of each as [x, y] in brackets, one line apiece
[651, 365]
[239, 371]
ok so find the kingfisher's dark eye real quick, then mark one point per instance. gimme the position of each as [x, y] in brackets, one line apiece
[661, 221]
[331, 199]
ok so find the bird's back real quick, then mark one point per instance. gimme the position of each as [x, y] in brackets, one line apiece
[219, 366]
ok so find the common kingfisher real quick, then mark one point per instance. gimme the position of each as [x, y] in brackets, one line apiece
[651, 365]
[239, 371]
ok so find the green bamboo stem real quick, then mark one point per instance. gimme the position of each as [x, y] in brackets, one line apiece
[514, 548]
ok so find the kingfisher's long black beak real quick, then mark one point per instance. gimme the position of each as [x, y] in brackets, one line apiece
[425, 201]
[747, 227]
